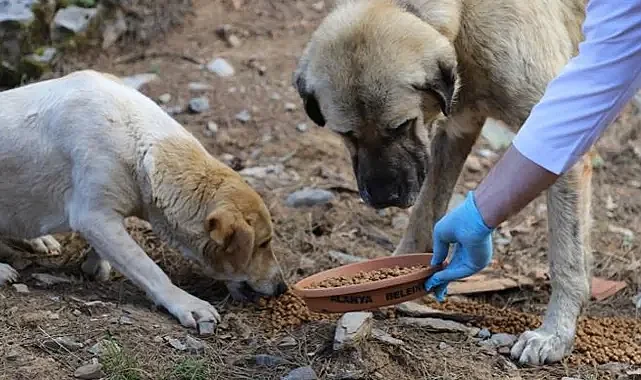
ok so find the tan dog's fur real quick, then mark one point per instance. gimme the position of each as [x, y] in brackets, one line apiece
[382, 73]
[85, 151]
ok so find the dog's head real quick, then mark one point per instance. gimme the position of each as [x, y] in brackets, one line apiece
[377, 73]
[239, 247]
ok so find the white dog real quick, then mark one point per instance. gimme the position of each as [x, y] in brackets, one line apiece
[82, 152]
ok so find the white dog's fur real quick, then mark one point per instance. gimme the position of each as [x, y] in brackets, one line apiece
[82, 152]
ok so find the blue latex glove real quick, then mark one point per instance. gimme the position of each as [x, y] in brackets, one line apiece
[463, 226]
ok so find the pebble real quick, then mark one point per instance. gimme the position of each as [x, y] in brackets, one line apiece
[103, 346]
[268, 360]
[352, 328]
[89, 372]
[198, 87]
[64, 343]
[138, 80]
[125, 320]
[504, 350]
[71, 20]
[288, 341]
[275, 96]
[302, 127]
[289, 107]
[443, 346]
[20, 288]
[438, 325]
[484, 333]
[345, 258]
[12, 355]
[243, 116]
[195, 346]
[499, 340]
[221, 67]
[309, 197]
[164, 98]
[175, 343]
[301, 373]
[198, 105]
[211, 129]
[233, 41]
[206, 328]
[76, 312]
[400, 221]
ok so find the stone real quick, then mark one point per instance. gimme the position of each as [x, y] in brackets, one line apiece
[499, 340]
[221, 67]
[125, 320]
[13, 354]
[199, 105]
[70, 21]
[268, 360]
[400, 221]
[137, 81]
[199, 87]
[309, 197]
[443, 346]
[233, 41]
[497, 134]
[438, 325]
[384, 337]
[352, 328]
[113, 28]
[289, 107]
[20, 288]
[302, 127]
[484, 333]
[243, 116]
[301, 373]
[16, 12]
[287, 341]
[104, 346]
[206, 328]
[164, 98]
[504, 350]
[175, 343]
[344, 258]
[49, 279]
[89, 372]
[195, 346]
[211, 129]
[64, 344]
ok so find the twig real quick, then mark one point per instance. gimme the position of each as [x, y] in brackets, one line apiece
[155, 54]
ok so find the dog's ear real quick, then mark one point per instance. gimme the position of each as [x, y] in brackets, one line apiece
[312, 108]
[232, 232]
[443, 83]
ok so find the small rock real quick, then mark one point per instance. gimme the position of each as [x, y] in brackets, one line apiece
[344, 258]
[199, 105]
[400, 221]
[275, 96]
[137, 81]
[319, 6]
[443, 346]
[243, 116]
[301, 373]
[302, 127]
[351, 328]
[76, 312]
[89, 372]
[13, 354]
[175, 110]
[306, 264]
[484, 334]
[384, 337]
[221, 67]
[164, 98]
[104, 346]
[206, 328]
[53, 316]
[71, 20]
[268, 360]
[125, 320]
[497, 134]
[290, 107]
[309, 197]
[195, 346]
[504, 350]
[233, 41]
[17, 12]
[634, 183]
[175, 343]
[20, 288]
[157, 339]
[499, 340]
[45, 57]
[211, 129]
[288, 341]
[198, 87]
[64, 343]
[438, 325]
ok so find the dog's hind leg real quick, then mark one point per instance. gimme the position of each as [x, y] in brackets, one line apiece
[570, 266]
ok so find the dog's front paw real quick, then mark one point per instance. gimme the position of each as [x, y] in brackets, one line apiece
[191, 310]
[540, 346]
[7, 274]
[46, 244]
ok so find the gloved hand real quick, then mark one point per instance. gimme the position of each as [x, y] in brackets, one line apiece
[465, 227]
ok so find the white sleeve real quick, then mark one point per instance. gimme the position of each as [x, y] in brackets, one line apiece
[590, 91]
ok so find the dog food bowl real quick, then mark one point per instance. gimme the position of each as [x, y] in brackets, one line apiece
[369, 295]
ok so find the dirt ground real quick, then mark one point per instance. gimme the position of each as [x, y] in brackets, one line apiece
[272, 35]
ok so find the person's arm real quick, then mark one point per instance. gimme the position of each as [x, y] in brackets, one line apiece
[573, 113]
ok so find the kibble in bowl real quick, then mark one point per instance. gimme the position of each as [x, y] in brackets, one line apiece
[367, 285]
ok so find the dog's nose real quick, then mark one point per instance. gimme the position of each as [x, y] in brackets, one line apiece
[281, 288]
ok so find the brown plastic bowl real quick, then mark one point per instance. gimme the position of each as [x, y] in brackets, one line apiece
[371, 295]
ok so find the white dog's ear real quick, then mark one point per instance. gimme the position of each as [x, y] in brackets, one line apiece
[310, 102]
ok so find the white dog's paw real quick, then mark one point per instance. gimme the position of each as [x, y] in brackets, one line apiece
[540, 347]
[46, 244]
[96, 268]
[192, 310]
[7, 274]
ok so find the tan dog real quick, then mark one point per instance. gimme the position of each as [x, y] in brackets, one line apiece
[381, 72]
[82, 152]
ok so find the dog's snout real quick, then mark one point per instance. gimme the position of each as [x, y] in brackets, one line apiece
[382, 194]
[281, 288]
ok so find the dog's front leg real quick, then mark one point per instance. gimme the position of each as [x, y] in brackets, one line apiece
[108, 236]
[449, 149]
[570, 267]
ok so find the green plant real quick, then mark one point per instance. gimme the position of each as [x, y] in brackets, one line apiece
[189, 369]
[119, 364]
